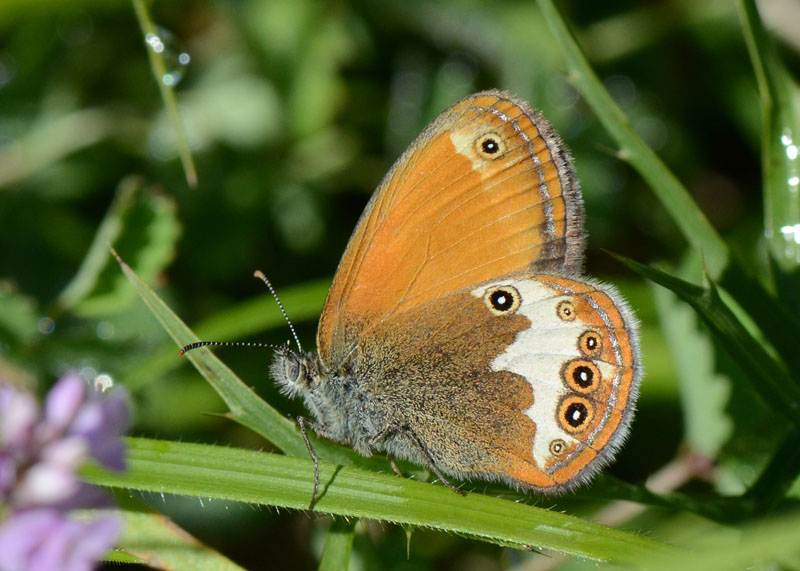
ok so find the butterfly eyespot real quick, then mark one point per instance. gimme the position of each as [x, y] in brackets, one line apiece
[590, 343]
[558, 447]
[566, 310]
[490, 146]
[502, 300]
[575, 414]
[581, 375]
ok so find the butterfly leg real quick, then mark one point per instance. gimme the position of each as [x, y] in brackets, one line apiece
[422, 451]
[419, 448]
[302, 421]
[373, 442]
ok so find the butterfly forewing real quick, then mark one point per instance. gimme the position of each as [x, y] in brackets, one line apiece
[486, 190]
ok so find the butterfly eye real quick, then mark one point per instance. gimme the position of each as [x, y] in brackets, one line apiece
[575, 414]
[566, 310]
[581, 376]
[502, 300]
[590, 343]
[490, 146]
[557, 447]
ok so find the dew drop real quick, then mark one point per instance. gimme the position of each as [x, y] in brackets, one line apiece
[46, 325]
[103, 382]
[105, 330]
[164, 43]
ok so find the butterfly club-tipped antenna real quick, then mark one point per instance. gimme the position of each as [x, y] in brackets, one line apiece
[260, 275]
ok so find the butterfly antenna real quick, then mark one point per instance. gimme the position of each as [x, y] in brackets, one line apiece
[260, 275]
[198, 344]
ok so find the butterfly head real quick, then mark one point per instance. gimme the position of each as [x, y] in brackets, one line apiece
[293, 371]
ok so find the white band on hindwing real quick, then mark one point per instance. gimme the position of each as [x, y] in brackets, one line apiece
[538, 355]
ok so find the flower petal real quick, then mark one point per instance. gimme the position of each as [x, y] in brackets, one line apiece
[23, 533]
[64, 401]
[18, 415]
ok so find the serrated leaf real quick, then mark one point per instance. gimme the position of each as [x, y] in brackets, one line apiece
[767, 375]
[142, 224]
[704, 391]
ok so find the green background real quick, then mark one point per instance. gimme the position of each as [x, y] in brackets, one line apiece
[293, 110]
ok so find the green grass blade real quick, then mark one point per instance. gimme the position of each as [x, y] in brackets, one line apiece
[779, 325]
[270, 479]
[767, 376]
[338, 546]
[303, 302]
[160, 72]
[246, 407]
[157, 542]
[780, 110]
[695, 227]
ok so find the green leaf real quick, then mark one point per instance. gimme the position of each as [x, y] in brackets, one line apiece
[704, 391]
[18, 317]
[767, 376]
[781, 327]
[271, 479]
[302, 301]
[142, 224]
[157, 542]
[338, 545]
[246, 407]
[760, 545]
[780, 111]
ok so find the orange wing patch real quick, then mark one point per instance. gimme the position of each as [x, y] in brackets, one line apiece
[484, 191]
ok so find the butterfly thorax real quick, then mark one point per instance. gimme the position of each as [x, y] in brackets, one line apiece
[343, 409]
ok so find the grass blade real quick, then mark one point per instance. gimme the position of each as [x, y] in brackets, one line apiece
[246, 407]
[160, 72]
[303, 301]
[157, 542]
[272, 479]
[338, 546]
[780, 111]
[778, 325]
[768, 377]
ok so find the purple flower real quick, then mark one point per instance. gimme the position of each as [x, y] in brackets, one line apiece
[40, 454]
[45, 539]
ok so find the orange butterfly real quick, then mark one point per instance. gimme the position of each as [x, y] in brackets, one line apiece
[458, 332]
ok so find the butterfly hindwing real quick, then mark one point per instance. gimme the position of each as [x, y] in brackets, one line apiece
[544, 412]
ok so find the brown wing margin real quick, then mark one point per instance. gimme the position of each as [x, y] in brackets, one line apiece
[446, 216]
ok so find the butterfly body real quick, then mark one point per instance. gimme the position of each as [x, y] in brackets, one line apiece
[458, 333]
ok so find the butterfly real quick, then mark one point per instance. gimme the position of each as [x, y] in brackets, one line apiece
[459, 333]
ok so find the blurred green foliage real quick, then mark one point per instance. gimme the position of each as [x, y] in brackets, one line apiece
[293, 110]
